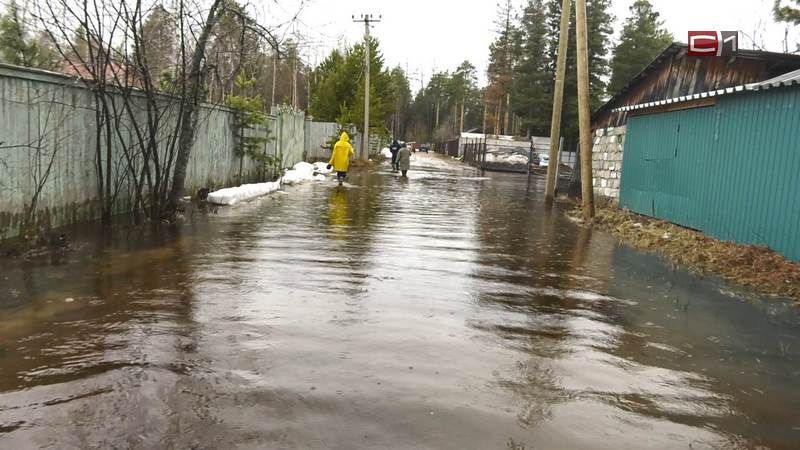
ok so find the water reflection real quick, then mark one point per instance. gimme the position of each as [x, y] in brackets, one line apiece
[446, 310]
[338, 214]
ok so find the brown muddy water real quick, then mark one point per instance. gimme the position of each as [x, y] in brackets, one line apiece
[443, 311]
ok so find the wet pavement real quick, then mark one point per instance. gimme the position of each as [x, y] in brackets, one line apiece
[443, 311]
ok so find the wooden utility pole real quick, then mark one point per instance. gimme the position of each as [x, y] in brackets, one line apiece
[497, 118]
[461, 123]
[583, 111]
[507, 127]
[367, 19]
[558, 97]
[295, 100]
[437, 113]
[274, 76]
[485, 107]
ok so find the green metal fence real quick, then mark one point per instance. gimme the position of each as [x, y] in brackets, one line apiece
[730, 170]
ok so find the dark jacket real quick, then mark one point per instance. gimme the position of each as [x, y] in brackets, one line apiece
[395, 147]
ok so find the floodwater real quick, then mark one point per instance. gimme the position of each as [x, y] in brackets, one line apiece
[443, 311]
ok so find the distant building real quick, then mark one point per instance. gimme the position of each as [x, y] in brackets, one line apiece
[115, 73]
[672, 74]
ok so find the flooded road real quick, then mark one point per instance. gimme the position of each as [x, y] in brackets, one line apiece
[443, 311]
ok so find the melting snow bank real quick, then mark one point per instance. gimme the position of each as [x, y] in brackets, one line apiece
[233, 195]
[512, 158]
[386, 152]
[302, 172]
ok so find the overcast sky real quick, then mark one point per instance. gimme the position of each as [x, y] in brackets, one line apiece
[428, 35]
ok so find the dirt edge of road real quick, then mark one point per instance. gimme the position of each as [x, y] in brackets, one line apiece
[749, 266]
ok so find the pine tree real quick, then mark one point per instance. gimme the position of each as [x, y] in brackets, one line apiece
[643, 37]
[248, 116]
[500, 70]
[599, 30]
[159, 42]
[47, 54]
[533, 77]
[15, 44]
[233, 48]
[787, 14]
[338, 92]
[463, 86]
[401, 98]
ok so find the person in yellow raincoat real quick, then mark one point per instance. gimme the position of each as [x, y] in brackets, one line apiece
[340, 158]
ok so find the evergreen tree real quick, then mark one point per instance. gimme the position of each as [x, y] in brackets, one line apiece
[599, 29]
[401, 95]
[47, 54]
[332, 86]
[248, 116]
[454, 93]
[787, 14]
[463, 86]
[502, 53]
[233, 48]
[16, 45]
[643, 38]
[338, 90]
[533, 78]
[159, 42]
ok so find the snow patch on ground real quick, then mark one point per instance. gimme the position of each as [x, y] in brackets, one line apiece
[386, 152]
[302, 172]
[233, 195]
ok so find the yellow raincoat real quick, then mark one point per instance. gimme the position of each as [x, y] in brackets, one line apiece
[342, 152]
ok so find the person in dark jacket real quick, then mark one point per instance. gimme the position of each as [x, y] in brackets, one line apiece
[394, 148]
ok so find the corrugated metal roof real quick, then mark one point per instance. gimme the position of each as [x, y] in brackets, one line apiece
[787, 79]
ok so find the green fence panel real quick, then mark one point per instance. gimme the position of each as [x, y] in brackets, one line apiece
[731, 170]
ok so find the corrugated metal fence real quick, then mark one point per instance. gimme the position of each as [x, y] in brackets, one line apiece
[729, 170]
[318, 137]
[47, 149]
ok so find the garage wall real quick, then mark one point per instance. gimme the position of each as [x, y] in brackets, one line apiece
[730, 170]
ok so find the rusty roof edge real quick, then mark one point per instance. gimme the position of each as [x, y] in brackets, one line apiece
[673, 48]
[787, 79]
[677, 46]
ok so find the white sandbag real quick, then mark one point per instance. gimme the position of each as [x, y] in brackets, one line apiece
[233, 195]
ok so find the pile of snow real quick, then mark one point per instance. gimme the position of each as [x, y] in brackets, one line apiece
[386, 152]
[322, 167]
[304, 172]
[233, 195]
[301, 172]
[507, 158]
[517, 159]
